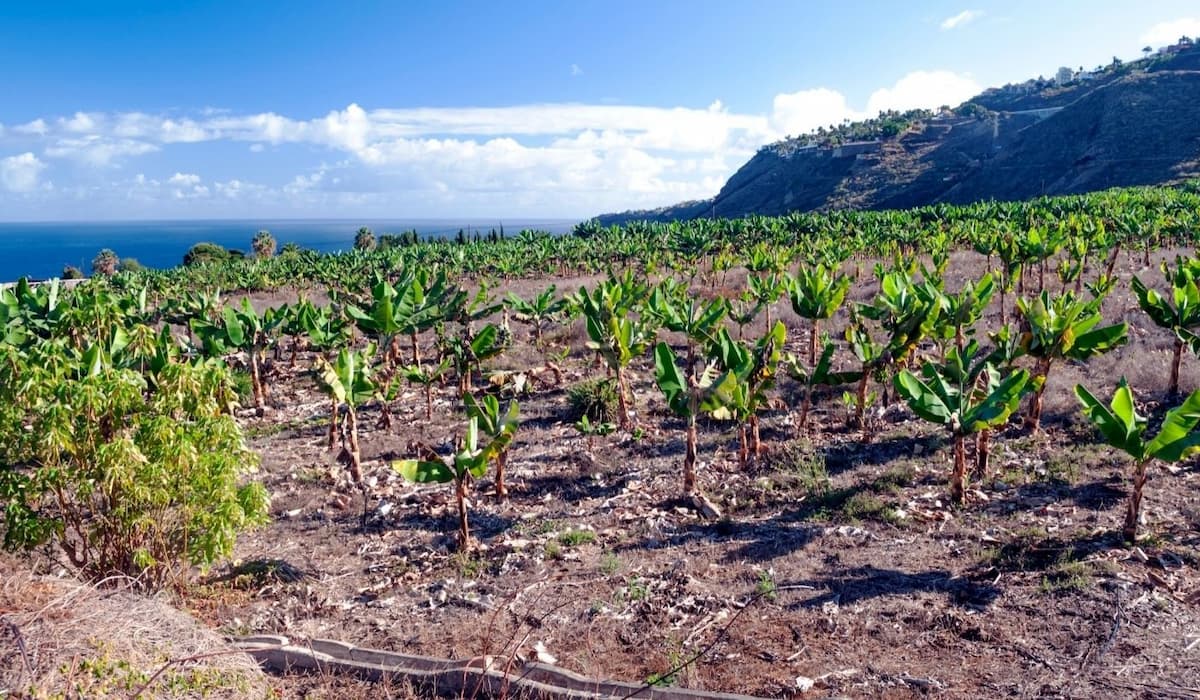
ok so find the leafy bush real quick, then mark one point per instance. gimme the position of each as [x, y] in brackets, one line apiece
[130, 265]
[70, 272]
[594, 398]
[127, 477]
[205, 253]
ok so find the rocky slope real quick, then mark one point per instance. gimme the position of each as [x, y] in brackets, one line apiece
[1134, 126]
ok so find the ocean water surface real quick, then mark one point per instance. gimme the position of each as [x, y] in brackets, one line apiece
[39, 250]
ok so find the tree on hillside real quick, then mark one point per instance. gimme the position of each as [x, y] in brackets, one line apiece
[364, 239]
[263, 244]
[105, 263]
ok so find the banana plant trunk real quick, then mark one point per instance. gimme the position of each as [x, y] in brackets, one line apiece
[860, 405]
[755, 437]
[805, 407]
[689, 458]
[1173, 387]
[1133, 508]
[256, 383]
[812, 344]
[623, 400]
[1034, 418]
[333, 423]
[352, 449]
[464, 531]
[982, 453]
[416, 349]
[429, 401]
[958, 478]
[501, 463]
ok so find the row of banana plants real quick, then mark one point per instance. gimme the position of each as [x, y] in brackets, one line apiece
[1023, 236]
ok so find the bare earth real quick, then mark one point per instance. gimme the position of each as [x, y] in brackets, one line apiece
[870, 587]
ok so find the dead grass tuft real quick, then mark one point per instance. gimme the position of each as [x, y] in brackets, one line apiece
[60, 637]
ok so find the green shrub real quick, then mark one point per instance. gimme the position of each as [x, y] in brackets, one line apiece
[205, 253]
[127, 477]
[594, 398]
[130, 265]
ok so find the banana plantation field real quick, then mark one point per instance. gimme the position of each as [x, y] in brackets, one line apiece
[942, 452]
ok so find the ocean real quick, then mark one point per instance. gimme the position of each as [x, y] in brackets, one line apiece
[40, 250]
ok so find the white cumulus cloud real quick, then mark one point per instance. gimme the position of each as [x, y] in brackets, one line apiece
[555, 159]
[928, 89]
[961, 19]
[1167, 33]
[21, 173]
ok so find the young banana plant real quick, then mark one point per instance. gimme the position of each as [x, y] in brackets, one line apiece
[468, 353]
[1122, 428]
[618, 334]
[347, 380]
[816, 293]
[426, 376]
[495, 425]
[239, 328]
[754, 371]
[1063, 328]
[688, 397]
[965, 396]
[697, 321]
[590, 430]
[469, 462]
[813, 376]
[539, 313]
[1180, 314]
[871, 355]
[766, 290]
[958, 313]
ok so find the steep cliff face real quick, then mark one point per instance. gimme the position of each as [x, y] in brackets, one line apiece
[1139, 128]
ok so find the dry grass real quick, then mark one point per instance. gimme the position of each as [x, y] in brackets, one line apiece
[63, 638]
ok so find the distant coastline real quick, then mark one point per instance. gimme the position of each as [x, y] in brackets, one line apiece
[40, 249]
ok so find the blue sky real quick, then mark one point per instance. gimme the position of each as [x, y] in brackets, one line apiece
[128, 110]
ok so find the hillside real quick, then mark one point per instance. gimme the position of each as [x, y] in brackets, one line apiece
[1127, 124]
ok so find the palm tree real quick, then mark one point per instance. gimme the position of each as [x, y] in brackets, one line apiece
[263, 244]
[364, 239]
[105, 263]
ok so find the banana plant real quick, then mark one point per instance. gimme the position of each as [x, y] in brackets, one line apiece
[617, 332]
[754, 370]
[699, 322]
[871, 355]
[821, 374]
[239, 328]
[965, 396]
[688, 397]
[816, 294]
[766, 290]
[468, 352]
[958, 313]
[539, 313]
[469, 462]
[347, 380]
[495, 425]
[1062, 328]
[426, 376]
[1122, 428]
[744, 310]
[380, 319]
[590, 430]
[1180, 314]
